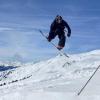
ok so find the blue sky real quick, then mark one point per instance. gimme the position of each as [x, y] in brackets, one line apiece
[20, 19]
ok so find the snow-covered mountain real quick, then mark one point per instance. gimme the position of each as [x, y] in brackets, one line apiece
[56, 78]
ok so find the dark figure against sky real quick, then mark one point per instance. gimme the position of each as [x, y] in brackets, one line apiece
[57, 28]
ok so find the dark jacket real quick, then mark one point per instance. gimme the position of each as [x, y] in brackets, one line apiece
[61, 26]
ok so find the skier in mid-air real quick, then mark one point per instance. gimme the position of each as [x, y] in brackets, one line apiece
[57, 28]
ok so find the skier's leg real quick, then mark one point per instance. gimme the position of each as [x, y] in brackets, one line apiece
[51, 36]
[62, 39]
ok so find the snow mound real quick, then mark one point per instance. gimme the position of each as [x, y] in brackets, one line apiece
[59, 74]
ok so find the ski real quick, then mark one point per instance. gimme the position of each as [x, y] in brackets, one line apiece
[62, 53]
[88, 81]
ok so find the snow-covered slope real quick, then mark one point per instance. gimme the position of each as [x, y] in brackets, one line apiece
[60, 75]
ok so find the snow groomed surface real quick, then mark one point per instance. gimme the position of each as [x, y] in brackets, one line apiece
[58, 78]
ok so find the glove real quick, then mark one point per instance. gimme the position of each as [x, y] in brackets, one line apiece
[68, 34]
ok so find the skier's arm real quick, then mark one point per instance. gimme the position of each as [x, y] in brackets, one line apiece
[69, 30]
[52, 27]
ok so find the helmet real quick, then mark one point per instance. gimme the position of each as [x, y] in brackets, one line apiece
[58, 19]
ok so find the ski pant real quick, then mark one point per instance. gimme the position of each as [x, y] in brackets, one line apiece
[61, 36]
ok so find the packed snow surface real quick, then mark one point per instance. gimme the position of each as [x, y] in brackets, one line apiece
[59, 78]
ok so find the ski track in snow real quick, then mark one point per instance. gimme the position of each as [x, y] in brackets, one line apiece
[60, 75]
